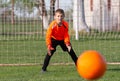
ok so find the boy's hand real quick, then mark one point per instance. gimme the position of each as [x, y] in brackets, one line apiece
[68, 45]
[49, 48]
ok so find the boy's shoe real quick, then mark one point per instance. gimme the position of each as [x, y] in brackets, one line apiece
[43, 71]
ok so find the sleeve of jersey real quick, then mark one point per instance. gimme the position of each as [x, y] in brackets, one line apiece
[48, 35]
[66, 36]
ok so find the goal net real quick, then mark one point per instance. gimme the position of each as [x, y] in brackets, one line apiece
[22, 34]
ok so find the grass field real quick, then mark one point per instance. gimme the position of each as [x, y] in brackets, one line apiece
[55, 73]
[32, 51]
[24, 44]
[26, 51]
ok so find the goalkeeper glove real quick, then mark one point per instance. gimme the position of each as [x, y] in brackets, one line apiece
[68, 45]
[49, 48]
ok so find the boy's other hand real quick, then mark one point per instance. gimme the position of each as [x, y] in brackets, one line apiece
[49, 48]
[68, 45]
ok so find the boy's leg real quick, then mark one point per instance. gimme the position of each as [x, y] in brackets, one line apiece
[71, 51]
[47, 60]
[73, 55]
[47, 57]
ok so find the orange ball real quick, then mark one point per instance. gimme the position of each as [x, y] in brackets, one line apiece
[91, 65]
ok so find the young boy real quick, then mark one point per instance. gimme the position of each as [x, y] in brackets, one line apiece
[57, 34]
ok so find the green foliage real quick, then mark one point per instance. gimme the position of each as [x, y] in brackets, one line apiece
[29, 3]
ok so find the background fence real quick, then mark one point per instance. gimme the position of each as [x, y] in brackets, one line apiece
[23, 42]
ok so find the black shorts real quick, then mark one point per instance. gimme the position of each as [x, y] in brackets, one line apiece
[55, 43]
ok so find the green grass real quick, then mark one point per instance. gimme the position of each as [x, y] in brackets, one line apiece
[19, 47]
[26, 51]
[33, 51]
[55, 73]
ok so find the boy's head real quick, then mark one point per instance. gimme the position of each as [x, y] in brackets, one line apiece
[59, 15]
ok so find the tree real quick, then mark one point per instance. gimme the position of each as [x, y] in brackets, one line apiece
[52, 9]
[19, 8]
[44, 15]
[119, 16]
[12, 13]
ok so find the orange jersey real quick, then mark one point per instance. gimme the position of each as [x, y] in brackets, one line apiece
[57, 32]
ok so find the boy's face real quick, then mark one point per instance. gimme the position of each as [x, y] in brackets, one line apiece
[58, 17]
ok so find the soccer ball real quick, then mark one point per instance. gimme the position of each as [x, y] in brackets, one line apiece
[91, 65]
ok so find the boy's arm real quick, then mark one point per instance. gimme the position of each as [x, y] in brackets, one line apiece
[67, 41]
[49, 35]
[66, 35]
[48, 39]
[66, 38]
